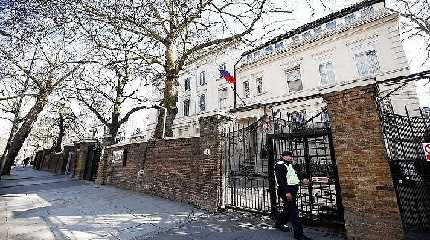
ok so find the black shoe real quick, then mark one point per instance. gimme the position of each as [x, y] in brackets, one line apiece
[283, 228]
[302, 237]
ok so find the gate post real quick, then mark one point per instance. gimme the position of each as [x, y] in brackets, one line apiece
[370, 204]
[271, 169]
[103, 164]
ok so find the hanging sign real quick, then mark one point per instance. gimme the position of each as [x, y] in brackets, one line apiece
[320, 180]
[426, 147]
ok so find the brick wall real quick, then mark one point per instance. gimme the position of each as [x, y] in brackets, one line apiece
[368, 195]
[175, 169]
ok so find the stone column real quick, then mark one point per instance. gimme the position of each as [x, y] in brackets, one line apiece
[211, 147]
[368, 195]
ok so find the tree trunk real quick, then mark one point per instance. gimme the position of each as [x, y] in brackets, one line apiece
[22, 134]
[59, 140]
[170, 95]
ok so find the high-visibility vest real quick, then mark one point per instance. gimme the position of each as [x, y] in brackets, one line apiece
[292, 178]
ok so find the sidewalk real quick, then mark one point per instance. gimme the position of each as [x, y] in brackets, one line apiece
[235, 226]
[40, 205]
[74, 209]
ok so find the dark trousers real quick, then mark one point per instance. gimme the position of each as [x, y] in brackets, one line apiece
[290, 213]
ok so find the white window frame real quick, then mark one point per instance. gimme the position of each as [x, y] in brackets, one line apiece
[246, 89]
[222, 66]
[202, 96]
[222, 100]
[259, 85]
[188, 79]
[364, 67]
[186, 113]
[327, 76]
[289, 70]
[331, 25]
[202, 78]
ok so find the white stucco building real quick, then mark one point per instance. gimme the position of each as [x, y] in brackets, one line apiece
[355, 46]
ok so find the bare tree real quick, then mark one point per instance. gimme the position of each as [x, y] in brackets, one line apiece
[56, 61]
[173, 32]
[57, 122]
[116, 87]
[418, 25]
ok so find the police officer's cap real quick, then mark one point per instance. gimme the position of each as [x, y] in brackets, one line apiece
[286, 153]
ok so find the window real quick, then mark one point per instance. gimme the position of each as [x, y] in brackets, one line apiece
[187, 84]
[279, 46]
[367, 12]
[294, 79]
[327, 73]
[331, 25]
[202, 103]
[307, 35]
[298, 117]
[202, 78]
[350, 18]
[259, 84]
[222, 67]
[318, 30]
[223, 94]
[269, 50]
[187, 107]
[366, 62]
[246, 89]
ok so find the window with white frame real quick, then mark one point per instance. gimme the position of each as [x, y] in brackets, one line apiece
[294, 80]
[327, 74]
[246, 89]
[367, 62]
[350, 18]
[259, 84]
[367, 12]
[269, 49]
[307, 35]
[223, 67]
[202, 103]
[331, 25]
[318, 30]
[223, 95]
[187, 107]
[279, 46]
[187, 84]
[202, 78]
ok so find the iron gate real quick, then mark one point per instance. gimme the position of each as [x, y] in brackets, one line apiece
[246, 168]
[404, 137]
[252, 150]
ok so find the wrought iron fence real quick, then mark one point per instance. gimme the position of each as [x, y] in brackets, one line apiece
[251, 149]
[404, 136]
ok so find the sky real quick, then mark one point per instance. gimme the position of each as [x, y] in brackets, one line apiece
[302, 14]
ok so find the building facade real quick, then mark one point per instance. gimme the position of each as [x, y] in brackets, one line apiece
[353, 47]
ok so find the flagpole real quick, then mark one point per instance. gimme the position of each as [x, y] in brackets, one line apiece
[235, 83]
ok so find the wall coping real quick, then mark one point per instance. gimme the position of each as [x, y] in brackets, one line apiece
[117, 145]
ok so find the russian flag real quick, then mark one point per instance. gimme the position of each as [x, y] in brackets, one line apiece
[229, 78]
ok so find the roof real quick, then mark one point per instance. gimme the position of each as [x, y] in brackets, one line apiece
[316, 23]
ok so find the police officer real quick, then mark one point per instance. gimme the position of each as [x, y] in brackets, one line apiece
[288, 186]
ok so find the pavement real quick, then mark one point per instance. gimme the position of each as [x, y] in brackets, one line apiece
[40, 205]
